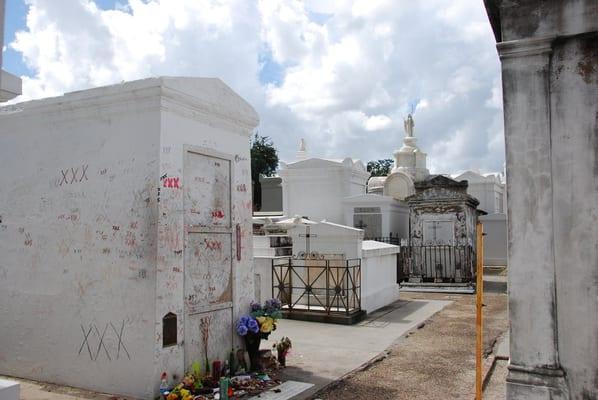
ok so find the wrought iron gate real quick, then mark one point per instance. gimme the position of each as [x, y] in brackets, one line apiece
[436, 263]
[331, 288]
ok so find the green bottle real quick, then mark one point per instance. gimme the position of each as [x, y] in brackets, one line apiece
[224, 383]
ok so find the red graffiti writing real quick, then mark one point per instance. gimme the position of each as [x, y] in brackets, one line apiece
[68, 217]
[213, 244]
[130, 239]
[171, 183]
[217, 214]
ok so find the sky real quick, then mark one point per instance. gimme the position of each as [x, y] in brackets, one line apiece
[341, 74]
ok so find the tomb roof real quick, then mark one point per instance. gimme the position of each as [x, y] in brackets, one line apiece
[202, 96]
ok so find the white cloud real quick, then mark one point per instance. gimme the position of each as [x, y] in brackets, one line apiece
[342, 77]
[377, 123]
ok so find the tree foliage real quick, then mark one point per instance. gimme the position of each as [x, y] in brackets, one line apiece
[380, 167]
[264, 161]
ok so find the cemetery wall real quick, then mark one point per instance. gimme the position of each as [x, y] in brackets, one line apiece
[379, 286]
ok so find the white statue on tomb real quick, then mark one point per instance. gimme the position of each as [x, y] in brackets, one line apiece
[302, 153]
[409, 125]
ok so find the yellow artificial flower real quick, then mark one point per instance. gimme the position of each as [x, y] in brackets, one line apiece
[185, 393]
[172, 396]
[267, 325]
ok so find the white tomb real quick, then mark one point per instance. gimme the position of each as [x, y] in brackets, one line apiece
[379, 216]
[9, 390]
[489, 189]
[125, 221]
[315, 187]
[339, 243]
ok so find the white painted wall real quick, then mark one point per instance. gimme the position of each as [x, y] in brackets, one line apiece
[79, 253]
[327, 238]
[97, 259]
[488, 189]
[263, 277]
[395, 214]
[495, 240]
[378, 275]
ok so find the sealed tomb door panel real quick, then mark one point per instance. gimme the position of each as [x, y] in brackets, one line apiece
[207, 190]
[208, 271]
[211, 331]
[208, 274]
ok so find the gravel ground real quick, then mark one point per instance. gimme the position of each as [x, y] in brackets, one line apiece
[496, 388]
[437, 361]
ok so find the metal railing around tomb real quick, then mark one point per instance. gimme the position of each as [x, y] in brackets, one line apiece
[437, 263]
[386, 239]
[330, 286]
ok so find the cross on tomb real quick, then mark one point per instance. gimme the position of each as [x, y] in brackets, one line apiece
[307, 236]
[361, 225]
[434, 230]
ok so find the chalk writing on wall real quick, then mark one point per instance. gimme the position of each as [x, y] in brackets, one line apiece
[73, 175]
[105, 343]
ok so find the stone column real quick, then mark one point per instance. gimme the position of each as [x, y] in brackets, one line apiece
[534, 370]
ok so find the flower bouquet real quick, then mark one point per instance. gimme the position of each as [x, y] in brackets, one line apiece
[257, 326]
[282, 349]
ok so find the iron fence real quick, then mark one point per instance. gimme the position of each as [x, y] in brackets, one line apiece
[436, 263]
[317, 285]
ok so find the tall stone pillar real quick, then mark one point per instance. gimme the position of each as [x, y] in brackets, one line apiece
[534, 370]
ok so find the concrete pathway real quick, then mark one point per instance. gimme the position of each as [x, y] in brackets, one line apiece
[323, 353]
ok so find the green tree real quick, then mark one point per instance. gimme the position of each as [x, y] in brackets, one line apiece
[380, 167]
[264, 161]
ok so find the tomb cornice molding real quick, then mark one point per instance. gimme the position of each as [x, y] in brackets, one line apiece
[116, 102]
[525, 47]
[190, 107]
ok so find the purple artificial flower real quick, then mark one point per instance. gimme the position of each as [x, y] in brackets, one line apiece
[241, 330]
[255, 306]
[244, 320]
[277, 304]
[253, 326]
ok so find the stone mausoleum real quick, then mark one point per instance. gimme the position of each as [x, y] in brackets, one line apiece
[125, 226]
